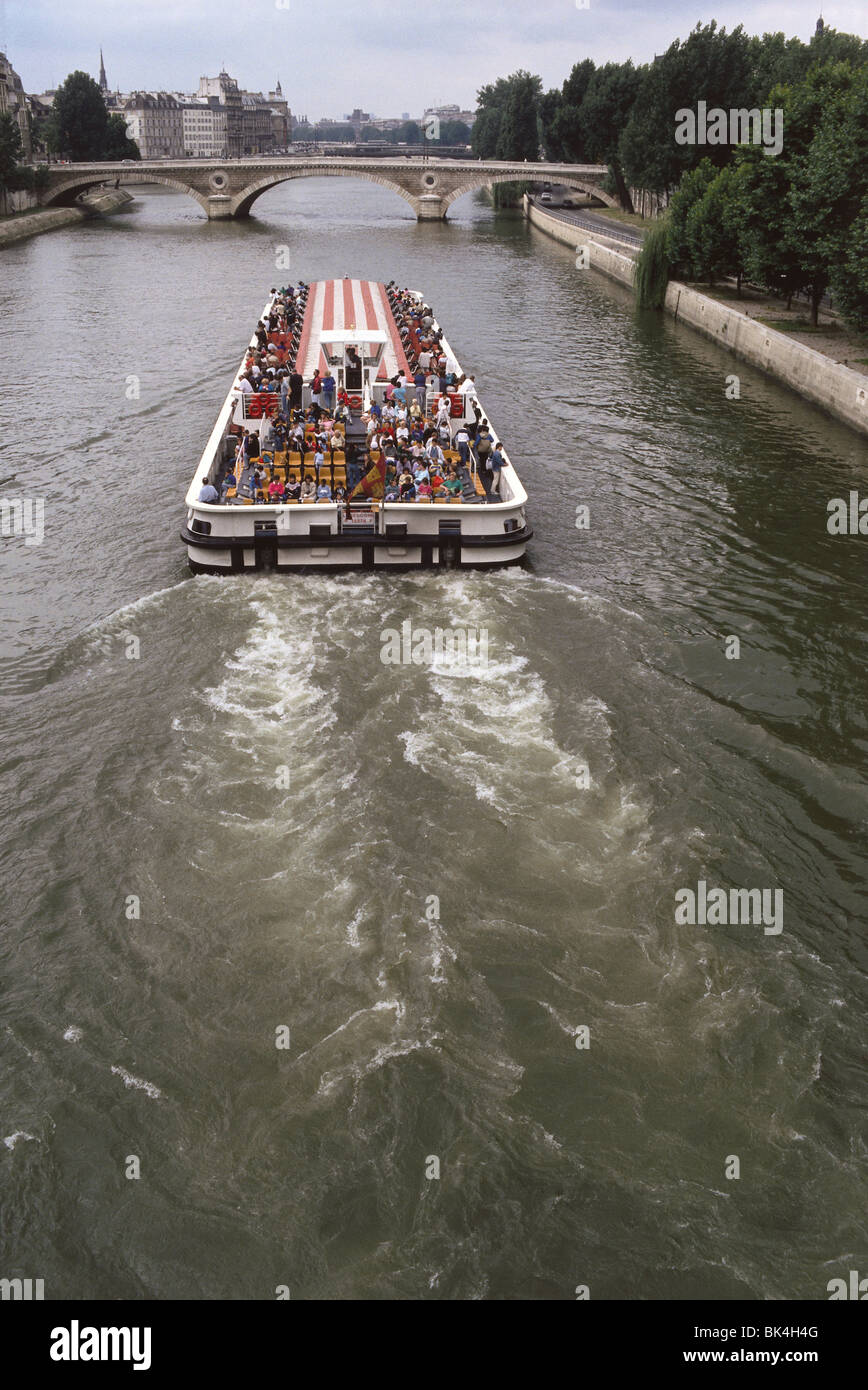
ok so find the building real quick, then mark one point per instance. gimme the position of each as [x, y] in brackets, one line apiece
[204, 123]
[257, 130]
[450, 113]
[281, 118]
[225, 89]
[155, 121]
[14, 102]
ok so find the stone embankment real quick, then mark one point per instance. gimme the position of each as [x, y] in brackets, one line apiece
[100, 203]
[830, 385]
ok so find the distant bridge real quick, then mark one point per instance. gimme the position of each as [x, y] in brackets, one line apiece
[229, 188]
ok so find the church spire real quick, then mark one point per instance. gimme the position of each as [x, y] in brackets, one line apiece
[103, 80]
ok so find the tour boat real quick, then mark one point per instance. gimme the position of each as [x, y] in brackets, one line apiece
[363, 333]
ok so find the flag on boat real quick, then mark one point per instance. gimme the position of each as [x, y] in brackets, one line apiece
[374, 482]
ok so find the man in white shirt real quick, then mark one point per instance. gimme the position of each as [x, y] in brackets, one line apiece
[468, 387]
[244, 384]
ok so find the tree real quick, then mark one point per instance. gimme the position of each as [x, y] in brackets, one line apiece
[11, 151]
[653, 268]
[454, 133]
[848, 279]
[79, 119]
[549, 105]
[830, 182]
[603, 115]
[507, 125]
[761, 194]
[118, 144]
[518, 135]
[712, 230]
[711, 66]
[566, 125]
[690, 191]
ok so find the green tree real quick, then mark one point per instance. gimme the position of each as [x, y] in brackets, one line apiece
[79, 123]
[549, 105]
[761, 192]
[11, 151]
[410, 133]
[118, 144]
[848, 279]
[712, 230]
[566, 123]
[653, 268]
[830, 182]
[690, 192]
[711, 66]
[518, 135]
[603, 115]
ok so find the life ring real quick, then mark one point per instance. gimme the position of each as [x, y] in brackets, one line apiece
[354, 402]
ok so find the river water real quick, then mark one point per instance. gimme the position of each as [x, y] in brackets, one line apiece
[435, 906]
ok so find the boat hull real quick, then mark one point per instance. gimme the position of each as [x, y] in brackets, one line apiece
[212, 555]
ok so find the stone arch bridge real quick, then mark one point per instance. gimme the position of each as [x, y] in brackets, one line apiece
[229, 188]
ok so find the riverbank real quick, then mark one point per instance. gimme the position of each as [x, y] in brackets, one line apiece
[100, 202]
[836, 388]
[24, 224]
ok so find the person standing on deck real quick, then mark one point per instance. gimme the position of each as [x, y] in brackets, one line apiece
[329, 386]
[495, 463]
[462, 444]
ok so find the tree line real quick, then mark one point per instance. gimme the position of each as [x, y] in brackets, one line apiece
[792, 222]
[78, 127]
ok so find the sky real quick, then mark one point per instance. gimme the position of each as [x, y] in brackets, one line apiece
[381, 55]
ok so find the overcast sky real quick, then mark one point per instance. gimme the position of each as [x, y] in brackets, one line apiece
[382, 55]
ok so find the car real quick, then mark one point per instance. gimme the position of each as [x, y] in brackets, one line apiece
[545, 198]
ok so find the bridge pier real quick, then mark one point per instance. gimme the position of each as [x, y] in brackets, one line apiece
[219, 206]
[429, 207]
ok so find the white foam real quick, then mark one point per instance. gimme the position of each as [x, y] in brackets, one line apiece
[137, 1084]
[73, 1034]
[12, 1139]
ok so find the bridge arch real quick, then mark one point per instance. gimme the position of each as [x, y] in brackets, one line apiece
[66, 192]
[243, 201]
[584, 185]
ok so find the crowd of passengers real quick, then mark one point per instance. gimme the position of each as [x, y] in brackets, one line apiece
[411, 438]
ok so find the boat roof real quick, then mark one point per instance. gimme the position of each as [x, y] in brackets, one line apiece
[349, 311]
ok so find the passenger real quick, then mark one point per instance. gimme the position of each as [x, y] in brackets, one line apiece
[462, 444]
[308, 488]
[293, 487]
[406, 486]
[484, 443]
[208, 492]
[324, 492]
[329, 386]
[495, 464]
[452, 483]
[423, 489]
[276, 490]
[340, 492]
